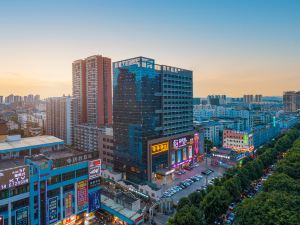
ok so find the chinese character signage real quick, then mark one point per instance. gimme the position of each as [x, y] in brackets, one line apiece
[177, 143]
[94, 201]
[82, 195]
[14, 177]
[22, 216]
[68, 204]
[94, 169]
[75, 159]
[53, 209]
[159, 148]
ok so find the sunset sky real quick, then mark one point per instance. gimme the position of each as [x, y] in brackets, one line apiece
[234, 47]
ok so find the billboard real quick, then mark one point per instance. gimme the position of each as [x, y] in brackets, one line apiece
[173, 160]
[184, 151]
[53, 209]
[181, 142]
[179, 156]
[14, 177]
[68, 204]
[196, 143]
[22, 216]
[94, 169]
[159, 148]
[94, 201]
[82, 195]
[75, 159]
[190, 152]
[246, 139]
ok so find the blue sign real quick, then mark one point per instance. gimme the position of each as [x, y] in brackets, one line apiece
[53, 209]
[179, 156]
[94, 201]
[22, 216]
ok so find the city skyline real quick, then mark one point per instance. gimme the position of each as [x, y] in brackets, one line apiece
[233, 48]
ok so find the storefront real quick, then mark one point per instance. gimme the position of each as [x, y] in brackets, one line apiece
[168, 154]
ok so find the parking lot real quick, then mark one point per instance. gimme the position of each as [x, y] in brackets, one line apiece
[194, 185]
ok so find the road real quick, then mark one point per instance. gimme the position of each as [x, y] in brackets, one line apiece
[218, 171]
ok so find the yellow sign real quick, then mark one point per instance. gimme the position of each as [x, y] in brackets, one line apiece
[159, 148]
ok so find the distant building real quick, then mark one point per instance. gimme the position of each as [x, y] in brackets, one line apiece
[291, 101]
[239, 141]
[258, 98]
[196, 101]
[93, 88]
[59, 118]
[216, 99]
[252, 99]
[3, 130]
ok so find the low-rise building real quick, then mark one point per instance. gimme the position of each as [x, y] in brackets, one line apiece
[106, 145]
[240, 141]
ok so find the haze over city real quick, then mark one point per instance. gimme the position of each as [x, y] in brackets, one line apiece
[233, 47]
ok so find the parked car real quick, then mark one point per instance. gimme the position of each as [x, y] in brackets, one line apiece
[231, 206]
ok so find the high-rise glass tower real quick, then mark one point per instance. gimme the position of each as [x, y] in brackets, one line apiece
[149, 101]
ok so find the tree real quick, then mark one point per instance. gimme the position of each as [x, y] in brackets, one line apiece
[282, 182]
[183, 202]
[208, 145]
[233, 186]
[196, 197]
[215, 203]
[190, 215]
[268, 209]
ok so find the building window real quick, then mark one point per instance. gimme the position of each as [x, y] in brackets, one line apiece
[68, 176]
[82, 172]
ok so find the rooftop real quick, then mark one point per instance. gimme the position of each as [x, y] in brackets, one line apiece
[11, 163]
[30, 142]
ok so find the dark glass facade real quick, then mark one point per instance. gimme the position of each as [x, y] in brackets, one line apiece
[136, 84]
[149, 101]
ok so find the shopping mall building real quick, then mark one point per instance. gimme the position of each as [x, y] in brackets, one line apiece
[43, 182]
[169, 154]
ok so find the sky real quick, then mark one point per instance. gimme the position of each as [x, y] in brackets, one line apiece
[234, 47]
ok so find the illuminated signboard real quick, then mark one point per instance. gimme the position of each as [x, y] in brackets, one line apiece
[53, 209]
[181, 142]
[179, 156]
[184, 153]
[173, 160]
[94, 169]
[159, 148]
[190, 152]
[246, 139]
[82, 195]
[196, 143]
[14, 177]
[75, 159]
[94, 201]
[68, 204]
[22, 216]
